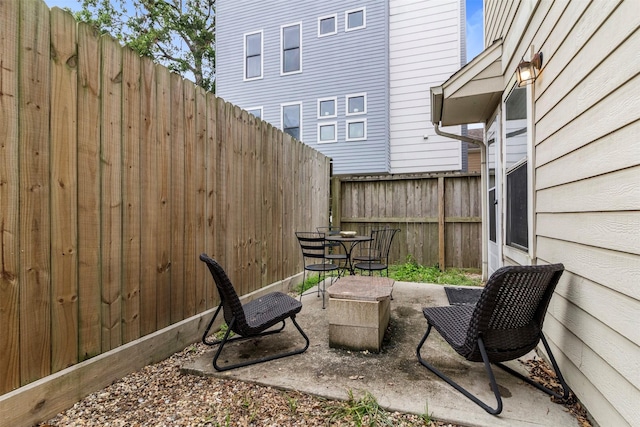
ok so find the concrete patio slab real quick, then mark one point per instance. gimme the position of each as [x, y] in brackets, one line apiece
[394, 376]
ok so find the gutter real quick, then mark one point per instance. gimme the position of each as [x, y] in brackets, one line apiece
[484, 189]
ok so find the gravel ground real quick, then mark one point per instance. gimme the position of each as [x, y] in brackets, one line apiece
[159, 395]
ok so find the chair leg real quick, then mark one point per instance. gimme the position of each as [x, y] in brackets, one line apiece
[226, 339]
[565, 387]
[487, 366]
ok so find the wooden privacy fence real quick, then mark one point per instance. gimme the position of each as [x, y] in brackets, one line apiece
[114, 176]
[439, 216]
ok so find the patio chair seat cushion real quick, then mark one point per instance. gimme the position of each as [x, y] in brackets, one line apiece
[269, 310]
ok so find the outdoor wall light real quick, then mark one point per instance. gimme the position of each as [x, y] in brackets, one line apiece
[527, 70]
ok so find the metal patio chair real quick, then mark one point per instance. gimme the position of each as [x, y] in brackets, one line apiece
[505, 323]
[333, 248]
[314, 257]
[251, 320]
[378, 252]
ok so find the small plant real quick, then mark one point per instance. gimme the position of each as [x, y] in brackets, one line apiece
[293, 403]
[361, 412]
[426, 417]
[223, 330]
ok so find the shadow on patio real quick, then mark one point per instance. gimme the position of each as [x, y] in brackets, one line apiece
[394, 376]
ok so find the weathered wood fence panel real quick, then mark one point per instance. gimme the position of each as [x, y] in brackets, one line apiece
[439, 216]
[114, 176]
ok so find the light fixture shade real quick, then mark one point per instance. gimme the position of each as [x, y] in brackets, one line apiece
[526, 72]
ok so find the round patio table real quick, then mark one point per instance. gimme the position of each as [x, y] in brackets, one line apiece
[348, 243]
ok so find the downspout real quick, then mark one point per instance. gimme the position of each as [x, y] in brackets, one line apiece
[484, 189]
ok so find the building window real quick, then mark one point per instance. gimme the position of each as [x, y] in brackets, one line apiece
[327, 25]
[327, 107]
[327, 132]
[291, 44]
[256, 111]
[253, 55]
[355, 19]
[356, 130]
[356, 104]
[291, 119]
[517, 185]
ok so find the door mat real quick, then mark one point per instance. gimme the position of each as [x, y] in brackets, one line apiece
[467, 296]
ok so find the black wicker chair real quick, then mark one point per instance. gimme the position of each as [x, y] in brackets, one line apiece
[378, 256]
[252, 319]
[505, 323]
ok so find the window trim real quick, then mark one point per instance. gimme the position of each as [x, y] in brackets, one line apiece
[364, 19]
[282, 27]
[335, 134]
[286, 104]
[335, 107]
[346, 130]
[355, 95]
[255, 108]
[335, 30]
[244, 65]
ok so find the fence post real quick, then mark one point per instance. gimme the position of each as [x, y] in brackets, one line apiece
[336, 201]
[441, 230]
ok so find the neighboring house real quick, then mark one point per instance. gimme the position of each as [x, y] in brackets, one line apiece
[349, 78]
[562, 180]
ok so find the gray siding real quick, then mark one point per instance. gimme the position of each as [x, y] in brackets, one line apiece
[332, 66]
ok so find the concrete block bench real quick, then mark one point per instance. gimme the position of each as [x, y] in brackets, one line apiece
[359, 309]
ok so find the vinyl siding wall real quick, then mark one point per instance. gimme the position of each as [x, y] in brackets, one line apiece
[587, 192]
[332, 66]
[425, 39]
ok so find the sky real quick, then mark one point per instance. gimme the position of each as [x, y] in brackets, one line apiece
[475, 42]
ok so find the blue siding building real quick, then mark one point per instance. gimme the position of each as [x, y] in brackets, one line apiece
[319, 70]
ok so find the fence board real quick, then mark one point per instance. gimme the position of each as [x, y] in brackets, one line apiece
[89, 290]
[200, 188]
[148, 190]
[111, 193]
[9, 199]
[177, 190]
[212, 183]
[163, 198]
[190, 263]
[35, 225]
[64, 282]
[131, 224]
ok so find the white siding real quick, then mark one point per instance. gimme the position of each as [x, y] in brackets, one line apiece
[424, 50]
[587, 195]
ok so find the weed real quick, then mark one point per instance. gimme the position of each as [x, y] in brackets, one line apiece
[223, 330]
[293, 403]
[411, 271]
[426, 416]
[310, 282]
[361, 412]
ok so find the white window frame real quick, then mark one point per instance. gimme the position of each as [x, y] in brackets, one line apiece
[244, 58]
[364, 19]
[346, 130]
[255, 108]
[335, 107]
[355, 95]
[335, 134]
[335, 29]
[285, 104]
[282, 27]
